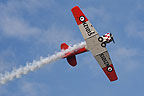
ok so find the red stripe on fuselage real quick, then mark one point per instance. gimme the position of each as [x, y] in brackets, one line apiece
[75, 52]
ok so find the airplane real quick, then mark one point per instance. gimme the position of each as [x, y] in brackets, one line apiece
[94, 43]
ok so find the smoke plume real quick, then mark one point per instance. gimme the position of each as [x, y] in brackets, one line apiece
[17, 73]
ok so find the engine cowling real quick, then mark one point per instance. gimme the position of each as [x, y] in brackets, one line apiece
[107, 38]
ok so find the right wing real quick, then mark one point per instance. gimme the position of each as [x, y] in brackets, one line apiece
[88, 32]
[85, 26]
[91, 37]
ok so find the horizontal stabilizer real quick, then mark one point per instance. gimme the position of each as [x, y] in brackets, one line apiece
[72, 60]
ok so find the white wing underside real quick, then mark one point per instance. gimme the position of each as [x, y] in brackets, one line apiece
[91, 37]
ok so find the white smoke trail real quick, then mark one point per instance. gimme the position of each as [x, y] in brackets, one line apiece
[16, 73]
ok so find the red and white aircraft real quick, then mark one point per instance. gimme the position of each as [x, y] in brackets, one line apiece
[94, 43]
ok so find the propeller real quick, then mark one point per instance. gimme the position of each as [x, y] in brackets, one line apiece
[112, 38]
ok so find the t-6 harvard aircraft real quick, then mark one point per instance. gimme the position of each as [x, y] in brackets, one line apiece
[94, 43]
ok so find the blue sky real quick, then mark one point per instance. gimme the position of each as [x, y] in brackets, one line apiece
[33, 28]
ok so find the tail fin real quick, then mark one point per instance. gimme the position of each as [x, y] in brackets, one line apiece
[64, 46]
[71, 59]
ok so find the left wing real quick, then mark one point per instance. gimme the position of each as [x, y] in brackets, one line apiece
[91, 37]
[106, 64]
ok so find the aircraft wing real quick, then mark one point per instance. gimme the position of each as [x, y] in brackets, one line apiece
[91, 37]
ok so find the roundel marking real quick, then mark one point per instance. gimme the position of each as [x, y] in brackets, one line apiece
[82, 18]
[110, 69]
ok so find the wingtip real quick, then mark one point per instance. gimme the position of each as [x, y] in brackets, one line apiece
[111, 74]
[74, 7]
[78, 14]
[114, 79]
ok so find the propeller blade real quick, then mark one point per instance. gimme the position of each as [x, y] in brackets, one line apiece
[113, 40]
